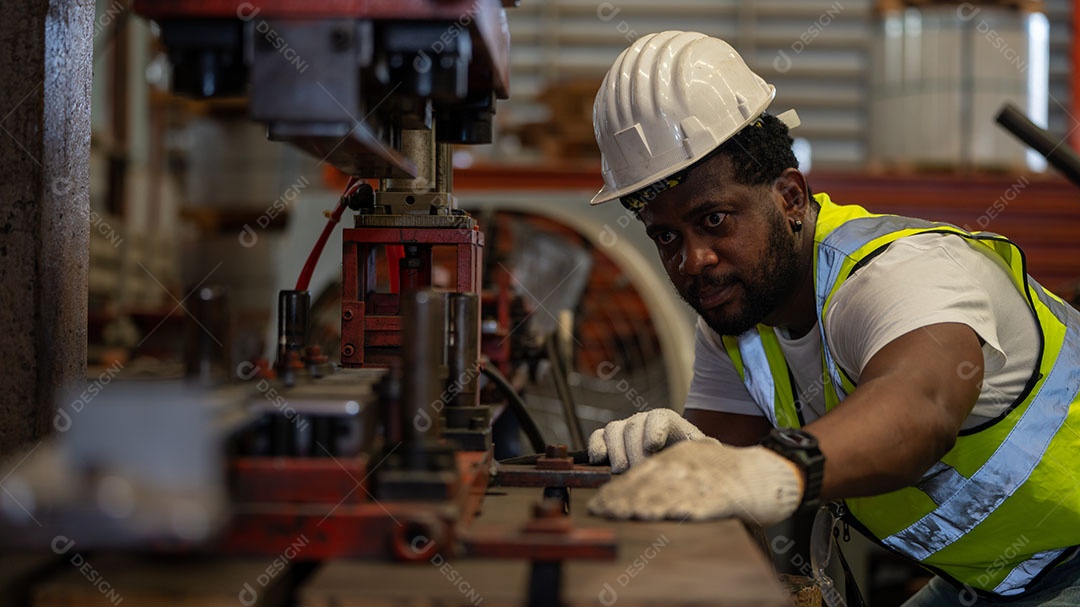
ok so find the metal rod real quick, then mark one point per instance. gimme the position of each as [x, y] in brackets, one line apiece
[463, 357]
[444, 167]
[562, 386]
[418, 145]
[423, 344]
[1057, 152]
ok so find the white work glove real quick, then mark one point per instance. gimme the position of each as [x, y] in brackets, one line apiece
[627, 442]
[702, 480]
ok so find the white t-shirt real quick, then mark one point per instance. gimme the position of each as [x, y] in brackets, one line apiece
[918, 281]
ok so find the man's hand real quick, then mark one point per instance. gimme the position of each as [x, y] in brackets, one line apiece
[629, 441]
[705, 480]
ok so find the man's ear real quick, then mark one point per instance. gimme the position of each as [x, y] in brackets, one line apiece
[791, 187]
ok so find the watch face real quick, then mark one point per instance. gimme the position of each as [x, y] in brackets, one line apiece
[797, 438]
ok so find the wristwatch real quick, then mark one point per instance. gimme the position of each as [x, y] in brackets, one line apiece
[800, 447]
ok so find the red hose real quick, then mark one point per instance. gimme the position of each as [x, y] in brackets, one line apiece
[320, 244]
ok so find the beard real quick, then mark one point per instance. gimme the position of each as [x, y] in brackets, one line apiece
[759, 291]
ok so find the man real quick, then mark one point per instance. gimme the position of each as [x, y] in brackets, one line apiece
[908, 368]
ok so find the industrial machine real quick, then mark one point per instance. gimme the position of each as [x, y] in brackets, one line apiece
[387, 458]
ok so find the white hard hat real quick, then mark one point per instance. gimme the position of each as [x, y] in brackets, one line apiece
[668, 100]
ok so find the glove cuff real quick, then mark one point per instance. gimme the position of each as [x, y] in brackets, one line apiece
[801, 448]
[783, 487]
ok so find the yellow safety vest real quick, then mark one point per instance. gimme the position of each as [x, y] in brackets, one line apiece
[1003, 505]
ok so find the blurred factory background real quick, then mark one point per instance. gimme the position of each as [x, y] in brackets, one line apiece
[903, 93]
[897, 101]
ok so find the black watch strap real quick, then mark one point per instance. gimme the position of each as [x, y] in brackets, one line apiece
[801, 447]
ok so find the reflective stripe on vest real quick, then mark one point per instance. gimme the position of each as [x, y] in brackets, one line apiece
[1006, 469]
[940, 482]
[995, 459]
[766, 375]
[1019, 577]
[756, 371]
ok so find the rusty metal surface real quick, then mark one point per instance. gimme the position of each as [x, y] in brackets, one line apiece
[531, 476]
[668, 564]
[556, 457]
[473, 468]
[299, 479]
[413, 230]
[368, 530]
[509, 543]
[351, 523]
[371, 328]
[464, 223]
[352, 323]
[383, 323]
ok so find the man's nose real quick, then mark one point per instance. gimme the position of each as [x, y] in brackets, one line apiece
[696, 256]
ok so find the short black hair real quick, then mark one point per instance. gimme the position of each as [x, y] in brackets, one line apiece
[759, 154]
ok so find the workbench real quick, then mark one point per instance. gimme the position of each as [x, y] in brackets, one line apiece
[657, 564]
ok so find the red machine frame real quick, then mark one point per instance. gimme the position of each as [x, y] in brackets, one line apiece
[371, 321]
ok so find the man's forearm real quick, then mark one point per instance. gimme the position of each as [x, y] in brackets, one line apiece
[905, 414]
[730, 428]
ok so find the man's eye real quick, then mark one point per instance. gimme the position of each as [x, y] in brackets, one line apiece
[714, 219]
[665, 237]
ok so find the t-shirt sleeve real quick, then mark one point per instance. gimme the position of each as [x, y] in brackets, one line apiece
[716, 385]
[916, 282]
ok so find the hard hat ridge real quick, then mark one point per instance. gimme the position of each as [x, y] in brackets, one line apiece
[667, 101]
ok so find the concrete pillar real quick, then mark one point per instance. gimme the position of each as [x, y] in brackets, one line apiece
[46, 52]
